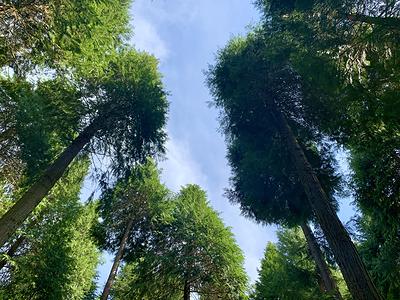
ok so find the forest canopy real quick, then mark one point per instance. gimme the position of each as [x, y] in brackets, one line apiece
[88, 121]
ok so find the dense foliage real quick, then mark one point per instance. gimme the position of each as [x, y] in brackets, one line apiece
[193, 253]
[76, 98]
[58, 256]
[288, 272]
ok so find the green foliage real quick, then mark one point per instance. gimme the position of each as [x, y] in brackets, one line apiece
[40, 121]
[264, 181]
[61, 33]
[193, 248]
[59, 257]
[347, 55]
[379, 244]
[287, 270]
[141, 197]
[129, 107]
[128, 102]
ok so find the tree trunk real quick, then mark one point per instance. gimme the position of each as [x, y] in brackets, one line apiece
[13, 249]
[353, 269]
[323, 269]
[117, 260]
[392, 22]
[18, 213]
[186, 291]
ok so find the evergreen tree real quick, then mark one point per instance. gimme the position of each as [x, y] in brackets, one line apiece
[127, 116]
[193, 253]
[129, 211]
[260, 97]
[349, 64]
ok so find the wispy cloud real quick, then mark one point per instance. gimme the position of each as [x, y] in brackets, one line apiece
[180, 168]
[145, 37]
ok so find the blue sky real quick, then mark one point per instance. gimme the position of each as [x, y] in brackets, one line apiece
[185, 35]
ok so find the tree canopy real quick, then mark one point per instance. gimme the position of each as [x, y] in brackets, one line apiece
[193, 253]
[288, 272]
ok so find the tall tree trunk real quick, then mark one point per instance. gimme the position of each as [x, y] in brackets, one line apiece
[12, 250]
[186, 291]
[353, 269]
[18, 213]
[117, 260]
[323, 269]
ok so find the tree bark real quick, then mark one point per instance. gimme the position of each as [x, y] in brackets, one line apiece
[323, 269]
[18, 213]
[12, 250]
[186, 291]
[353, 269]
[117, 260]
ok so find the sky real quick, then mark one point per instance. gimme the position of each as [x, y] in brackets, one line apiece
[185, 36]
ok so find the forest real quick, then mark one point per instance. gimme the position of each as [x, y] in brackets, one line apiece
[79, 102]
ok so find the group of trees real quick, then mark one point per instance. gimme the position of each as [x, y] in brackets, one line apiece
[311, 77]
[174, 244]
[77, 100]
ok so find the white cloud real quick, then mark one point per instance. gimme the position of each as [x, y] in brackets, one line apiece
[180, 168]
[145, 37]
[167, 11]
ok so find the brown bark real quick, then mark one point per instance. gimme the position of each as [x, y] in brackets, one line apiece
[117, 260]
[12, 250]
[186, 291]
[353, 269]
[329, 283]
[18, 213]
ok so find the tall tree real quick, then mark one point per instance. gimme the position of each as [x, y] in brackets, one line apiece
[193, 253]
[126, 122]
[267, 189]
[59, 256]
[130, 210]
[349, 64]
[260, 99]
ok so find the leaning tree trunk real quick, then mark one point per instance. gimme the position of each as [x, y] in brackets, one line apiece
[353, 269]
[323, 269]
[18, 213]
[186, 291]
[117, 260]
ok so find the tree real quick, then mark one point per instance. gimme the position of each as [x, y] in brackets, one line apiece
[267, 189]
[328, 283]
[260, 97]
[349, 64]
[59, 257]
[193, 253]
[287, 270]
[130, 210]
[126, 123]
